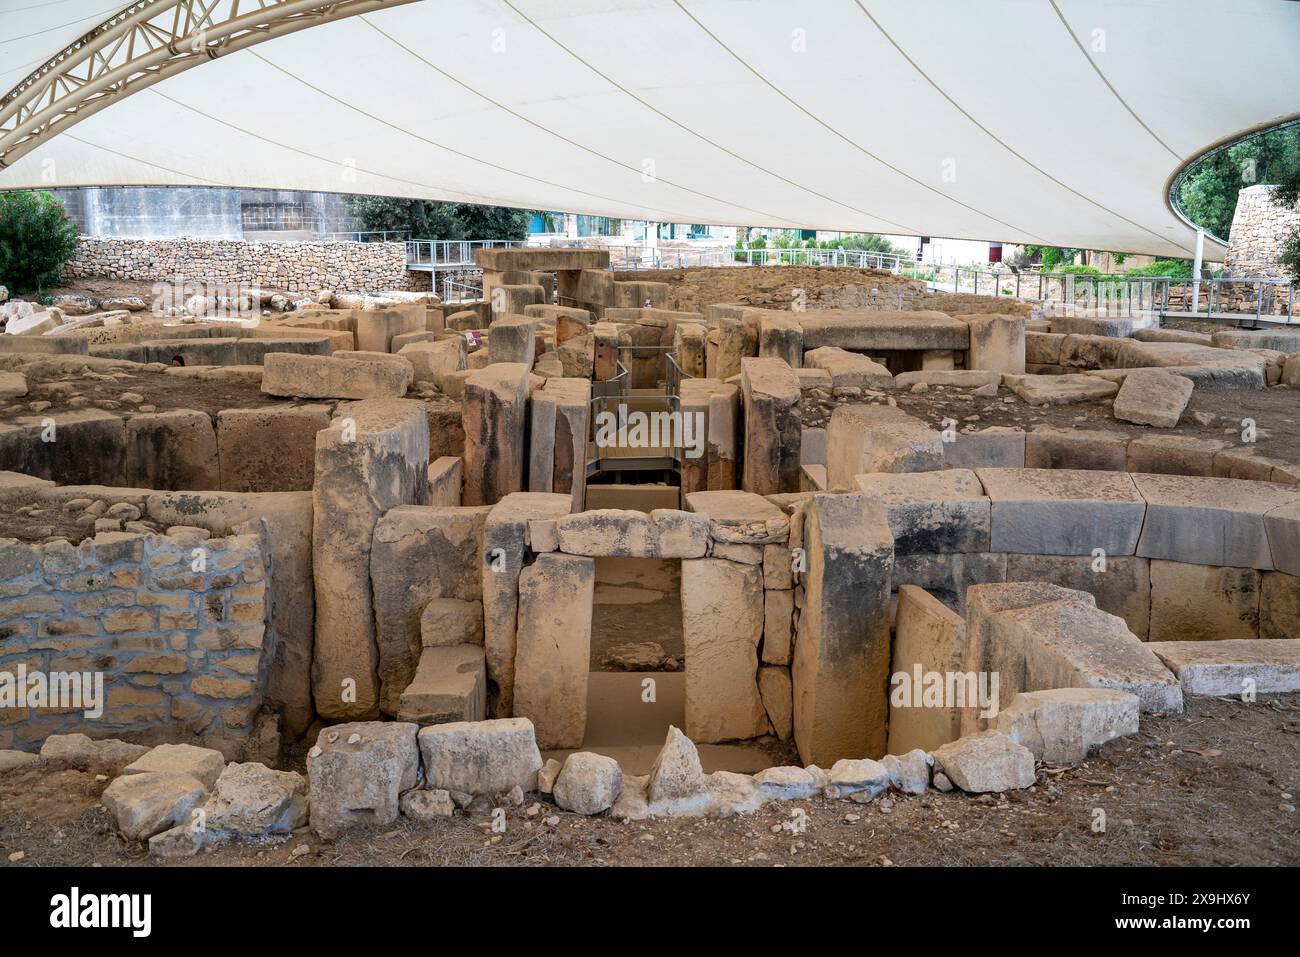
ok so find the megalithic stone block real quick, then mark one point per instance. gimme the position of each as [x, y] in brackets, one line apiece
[689, 346]
[553, 655]
[373, 457]
[841, 655]
[781, 338]
[505, 542]
[557, 441]
[513, 339]
[773, 429]
[724, 429]
[494, 414]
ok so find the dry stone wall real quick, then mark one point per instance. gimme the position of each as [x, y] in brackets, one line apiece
[1259, 227]
[291, 266]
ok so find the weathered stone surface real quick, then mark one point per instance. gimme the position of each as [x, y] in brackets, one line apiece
[1063, 512]
[252, 800]
[787, 783]
[1203, 602]
[878, 438]
[505, 537]
[1173, 455]
[426, 804]
[773, 430]
[997, 342]
[588, 783]
[357, 773]
[732, 793]
[1153, 397]
[986, 761]
[557, 440]
[431, 358]
[929, 638]
[175, 449]
[1283, 527]
[854, 775]
[450, 684]
[79, 751]
[373, 457]
[741, 518]
[16, 759]
[841, 655]
[910, 772]
[1209, 521]
[513, 339]
[1061, 725]
[776, 691]
[608, 532]
[876, 330]
[1121, 586]
[680, 534]
[1089, 449]
[451, 621]
[1231, 667]
[202, 764]
[267, 449]
[997, 447]
[960, 378]
[494, 413]
[676, 782]
[481, 757]
[722, 622]
[778, 626]
[348, 375]
[1059, 389]
[849, 370]
[943, 511]
[148, 804]
[553, 656]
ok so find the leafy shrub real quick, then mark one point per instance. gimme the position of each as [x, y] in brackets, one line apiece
[36, 241]
[1174, 268]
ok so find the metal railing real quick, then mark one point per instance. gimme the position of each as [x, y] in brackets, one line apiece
[371, 236]
[450, 253]
[852, 258]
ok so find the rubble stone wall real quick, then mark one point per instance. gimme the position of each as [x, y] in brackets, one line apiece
[1259, 226]
[291, 266]
[176, 626]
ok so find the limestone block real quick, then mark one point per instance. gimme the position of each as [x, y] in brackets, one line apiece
[1203, 602]
[988, 761]
[781, 338]
[740, 517]
[553, 656]
[1061, 725]
[1209, 521]
[1043, 348]
[494, 413]
[929, 639]
[1173, 455]
[878, 438]
[375, 328]
[1063, 512]
[689, 347]
[961, 378]
[1279, 606]
[883, 330]
[679, 534]
[202, 764]
[997, 342]
[1089, 449]
[722, 622]
[1283, 527]
[270, 449]
[558, 438]
[348, 375]
[608, 532]
[676, 783]
[431, 358]
[1121, 586]
[450, 684]
[253, 801]
[373, 457]
[1230, 667]
[513, 338]
[505, 538]
[445, 477]
[841, 655]
[773, 430]
[944, 511]
[148, 804]
[778, 626]
[1059, 389]
[997, 447]
[849, 370]
[480, 757]
[588, 783]
[1153, 397]
[357, 772]
[175, 450]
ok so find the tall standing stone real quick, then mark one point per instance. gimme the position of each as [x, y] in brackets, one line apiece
[773, 427]
[373, 457]
[494, 413]
[841, 655]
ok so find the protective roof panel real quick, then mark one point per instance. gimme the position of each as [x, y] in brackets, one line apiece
[1057, 122]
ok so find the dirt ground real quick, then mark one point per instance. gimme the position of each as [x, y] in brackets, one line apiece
[1214, 786]
[636, 600]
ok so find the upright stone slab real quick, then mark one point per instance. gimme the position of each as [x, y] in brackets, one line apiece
[929, 639]
[431, 358]
[773, 429]
[505, 543]
[513, 339]
[841, 655]
[997, 342]
[560, 412]
[722, 622]
[494, 413]
[689, 347]
[943, 511]
[553, 655]
[174, 450]
[878, 438]
[374, 456]
[781, 338]
[375, 328]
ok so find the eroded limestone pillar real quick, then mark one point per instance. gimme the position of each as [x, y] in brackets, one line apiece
[494, 413]
[773, 427]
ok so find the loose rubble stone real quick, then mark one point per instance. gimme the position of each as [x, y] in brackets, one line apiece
[1062, 725]
[481, 757]
[205, 764]
[1153, 397]
[426, 804]
[910, 772]
[358, 772]
[676, 782]
[588, 783]
[986, 761]
[253, 801]
[849, 775]
[148, 803]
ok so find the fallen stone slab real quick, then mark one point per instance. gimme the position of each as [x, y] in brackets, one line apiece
[1233, 666]
[1209, 521]
[9, 760]
[943, 511]
[357, 773]
[1123, 589]
[450, 684]
[878, 438]
[1061, 725]
[427, 804]
[849, 370]
[1059, 389]
[1207, 367]
[80, 752]
[789, 783]
[149, 803]
[480, 757]
[958, 378]
[254, 801]
[203, 764]
[988, 761]
[910, 772]
[1153, 397]
[853, 775]
[588, 783]
[1063, 512]
[348, 375]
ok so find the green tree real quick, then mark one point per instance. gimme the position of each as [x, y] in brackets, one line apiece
[36, 241]
[1207, 195]
[426, 219]
[1286, 192]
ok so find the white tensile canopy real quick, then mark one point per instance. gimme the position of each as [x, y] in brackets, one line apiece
[1058, 122]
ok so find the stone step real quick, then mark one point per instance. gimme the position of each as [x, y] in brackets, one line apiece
[450, 684]
[1224, 667]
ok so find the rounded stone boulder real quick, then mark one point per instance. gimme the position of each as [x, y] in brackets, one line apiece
[588, 783]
